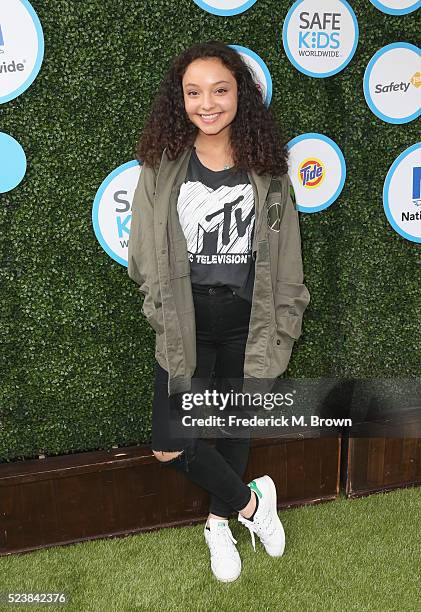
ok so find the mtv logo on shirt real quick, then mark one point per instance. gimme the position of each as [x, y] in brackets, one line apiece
[217, 222]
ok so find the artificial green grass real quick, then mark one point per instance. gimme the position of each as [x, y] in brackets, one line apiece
[361, 554]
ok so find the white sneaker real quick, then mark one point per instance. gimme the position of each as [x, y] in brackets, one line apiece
[266, 523]
[225, 560]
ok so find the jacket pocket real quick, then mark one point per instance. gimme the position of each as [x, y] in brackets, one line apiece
[153, 314]
[160, 351]
[289, 324]
[288, 309]
[279, 354]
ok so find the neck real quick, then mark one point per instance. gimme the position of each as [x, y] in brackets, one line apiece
[217, 143]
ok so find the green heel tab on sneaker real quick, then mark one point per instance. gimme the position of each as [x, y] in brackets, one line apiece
[255, 488]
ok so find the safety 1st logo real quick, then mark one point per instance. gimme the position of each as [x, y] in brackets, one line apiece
[311, 172]
[415, 80]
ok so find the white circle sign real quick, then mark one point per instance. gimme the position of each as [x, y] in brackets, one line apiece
[225, 8]
[402, 194]
[260, 70]
[397, 7]
[317, 171]
[392, 83]
[320, 38]
[111, 211]
[21, 48]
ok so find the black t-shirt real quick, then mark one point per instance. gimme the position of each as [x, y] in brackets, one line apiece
[217, 213]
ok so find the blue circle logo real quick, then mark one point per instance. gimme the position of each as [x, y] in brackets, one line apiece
[392, 82]
[402, 194]
[317, 171]
[320, 42]
[111, 210]
[225, 8]
[260, 71]
[12, 163]
[21, 48]
[397, 7]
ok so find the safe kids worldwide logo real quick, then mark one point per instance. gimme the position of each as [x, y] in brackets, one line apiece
[225, 8]
[402, 194]
[397, 7]
[21, 48]
[320, 38]
[259, 69]
[317, 171]
[392, 83]
[111, 211]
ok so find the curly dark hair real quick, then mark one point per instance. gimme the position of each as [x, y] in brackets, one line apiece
[256, 140]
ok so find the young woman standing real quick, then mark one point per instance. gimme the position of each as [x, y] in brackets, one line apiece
[215, 248]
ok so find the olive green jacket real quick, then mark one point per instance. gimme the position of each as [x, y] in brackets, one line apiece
[158, 262]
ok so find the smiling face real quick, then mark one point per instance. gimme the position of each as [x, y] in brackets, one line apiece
[210, 95]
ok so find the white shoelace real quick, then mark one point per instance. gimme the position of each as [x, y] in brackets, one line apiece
[221, 541]
[255, 526]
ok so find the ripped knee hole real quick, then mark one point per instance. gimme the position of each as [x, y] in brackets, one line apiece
[167, 455]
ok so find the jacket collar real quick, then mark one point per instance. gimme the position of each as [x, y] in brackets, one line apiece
[174, 172]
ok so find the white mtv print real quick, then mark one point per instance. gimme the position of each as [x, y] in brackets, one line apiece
[217, 221]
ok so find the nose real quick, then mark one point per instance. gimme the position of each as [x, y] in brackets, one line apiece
[207, 103]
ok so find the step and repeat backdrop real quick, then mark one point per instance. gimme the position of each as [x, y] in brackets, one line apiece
[76, 83]
[319, 39]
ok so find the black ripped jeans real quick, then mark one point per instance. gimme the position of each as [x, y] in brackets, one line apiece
[222, 323]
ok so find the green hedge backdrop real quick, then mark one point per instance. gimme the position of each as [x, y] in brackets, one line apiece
[76, 356]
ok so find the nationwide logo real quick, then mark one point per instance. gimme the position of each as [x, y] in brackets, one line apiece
[416, 196]
[311, 173]
[319, 34]
[11, 66]
[402, 194]
[415, 80]
[416, 186]
[21, 48]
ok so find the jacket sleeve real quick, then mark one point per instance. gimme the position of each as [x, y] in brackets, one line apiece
[142, 261]
[292, 296]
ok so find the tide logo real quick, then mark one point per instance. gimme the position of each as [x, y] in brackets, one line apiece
[311, 172]
[1, 40]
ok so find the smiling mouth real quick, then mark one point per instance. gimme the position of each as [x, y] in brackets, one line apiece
[210, 118]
